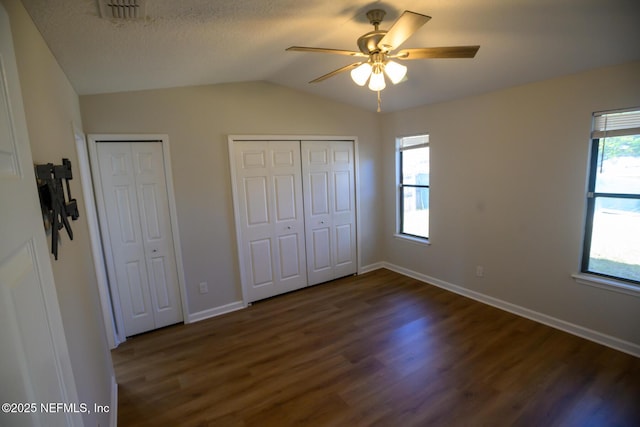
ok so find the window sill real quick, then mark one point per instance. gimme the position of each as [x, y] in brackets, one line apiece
[606, 283]
[416, 240]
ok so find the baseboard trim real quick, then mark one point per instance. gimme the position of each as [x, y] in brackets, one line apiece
[586, 333]
[371, 267]
[216, 311]
[113, 409]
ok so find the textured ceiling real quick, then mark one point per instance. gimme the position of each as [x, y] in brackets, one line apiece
[194, 42]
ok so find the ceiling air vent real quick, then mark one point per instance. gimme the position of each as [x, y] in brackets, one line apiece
[122, 9]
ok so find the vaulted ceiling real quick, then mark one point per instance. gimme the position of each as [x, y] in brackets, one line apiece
[195, 42]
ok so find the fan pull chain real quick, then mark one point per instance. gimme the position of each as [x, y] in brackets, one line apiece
[378, 102]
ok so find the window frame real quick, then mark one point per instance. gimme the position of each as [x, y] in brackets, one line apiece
[400, 186]
[591, 199]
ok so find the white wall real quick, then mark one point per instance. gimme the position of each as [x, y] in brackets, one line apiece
[52, 108]
[198, 121]
[508, 182]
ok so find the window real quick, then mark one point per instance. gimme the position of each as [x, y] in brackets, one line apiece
[413, 186]
[612, 234]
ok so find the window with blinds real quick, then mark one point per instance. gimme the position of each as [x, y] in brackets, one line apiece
[413, 186]
[612, 230]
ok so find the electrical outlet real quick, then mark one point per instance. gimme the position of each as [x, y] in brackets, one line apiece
[479, 271]
[204, 288]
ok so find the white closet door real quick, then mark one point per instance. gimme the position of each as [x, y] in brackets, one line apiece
[329, 203]
[157, 238]
[269, 197]
[34, 359]
[137, 214]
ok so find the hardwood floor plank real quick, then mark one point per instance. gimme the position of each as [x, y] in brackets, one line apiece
[376, 349]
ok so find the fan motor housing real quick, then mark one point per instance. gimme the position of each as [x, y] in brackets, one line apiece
[368, 43]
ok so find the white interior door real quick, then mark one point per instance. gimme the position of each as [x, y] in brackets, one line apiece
[268, 191]
[34, 360]
[329, 204]
[136, 207]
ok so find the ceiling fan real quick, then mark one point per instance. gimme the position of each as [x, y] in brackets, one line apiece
[377, 47]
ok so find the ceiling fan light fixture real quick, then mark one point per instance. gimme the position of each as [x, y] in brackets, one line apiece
[396, 72]
[376, 82]
[361, 74]
[379, 45]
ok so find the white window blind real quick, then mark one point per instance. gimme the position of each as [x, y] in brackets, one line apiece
[616, 123]
[410, 142]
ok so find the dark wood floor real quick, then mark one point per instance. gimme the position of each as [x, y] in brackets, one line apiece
[377, 349]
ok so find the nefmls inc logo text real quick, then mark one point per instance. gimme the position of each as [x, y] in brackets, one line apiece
[53, 408]
[67, 408]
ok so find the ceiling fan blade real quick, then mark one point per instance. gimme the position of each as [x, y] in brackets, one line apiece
[402, 29]
[438, 52]
[334, 72]
[325, 50]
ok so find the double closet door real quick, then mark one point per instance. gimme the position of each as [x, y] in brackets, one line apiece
[295, 210]
[135, 219]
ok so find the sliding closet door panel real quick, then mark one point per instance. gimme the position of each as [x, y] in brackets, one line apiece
[116, 165]
[288, 215]
[271, 216]
[328, 177]
[160, 255]
[253, 184]
[317, 196]
[344, 208]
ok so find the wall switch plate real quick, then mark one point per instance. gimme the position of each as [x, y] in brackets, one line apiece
[479, 271]
[204, 288]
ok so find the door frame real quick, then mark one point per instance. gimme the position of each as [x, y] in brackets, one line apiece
[96, 242]
[231, 139]
[105, 288]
